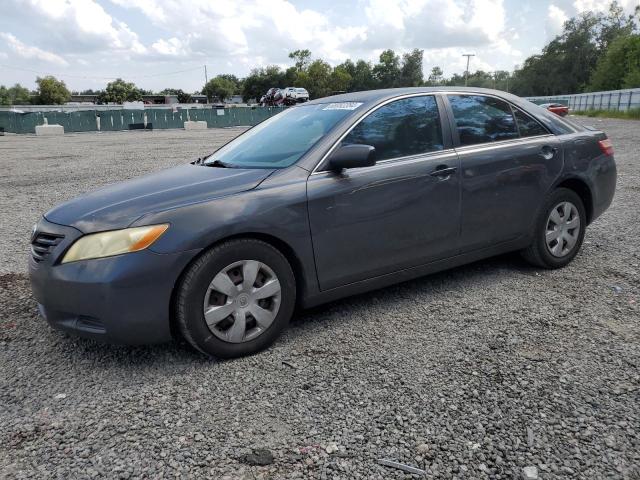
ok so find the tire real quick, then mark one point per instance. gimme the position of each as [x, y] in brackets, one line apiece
[540, 253]
[196, 292]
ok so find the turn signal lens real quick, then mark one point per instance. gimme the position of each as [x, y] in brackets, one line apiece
[606, 146]
[115, 242]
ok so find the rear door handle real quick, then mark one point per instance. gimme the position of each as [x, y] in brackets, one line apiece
[443, 172]
[548, 152]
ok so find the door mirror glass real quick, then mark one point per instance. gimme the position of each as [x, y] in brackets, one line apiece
[352, 156]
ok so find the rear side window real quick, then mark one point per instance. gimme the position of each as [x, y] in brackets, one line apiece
[528, 126]
[482, 119]
[410, 126]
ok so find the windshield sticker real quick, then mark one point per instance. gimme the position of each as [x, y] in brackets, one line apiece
[343, 106]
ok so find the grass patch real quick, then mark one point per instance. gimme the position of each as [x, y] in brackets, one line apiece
[633, 114]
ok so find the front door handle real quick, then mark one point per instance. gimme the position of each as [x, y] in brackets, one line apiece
[548, 152]
[443, 172]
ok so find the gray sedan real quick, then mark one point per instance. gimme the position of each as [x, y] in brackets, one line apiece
[327, 199]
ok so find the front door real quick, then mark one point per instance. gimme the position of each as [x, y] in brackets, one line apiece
[402, 212]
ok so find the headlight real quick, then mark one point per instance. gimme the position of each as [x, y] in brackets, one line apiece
[115, 242]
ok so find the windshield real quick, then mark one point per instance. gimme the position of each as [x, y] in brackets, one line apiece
[282, 139]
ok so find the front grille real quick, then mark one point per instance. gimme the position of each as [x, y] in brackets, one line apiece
[43, 244]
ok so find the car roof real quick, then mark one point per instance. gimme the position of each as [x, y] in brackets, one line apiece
[370, 98]
[374, 96]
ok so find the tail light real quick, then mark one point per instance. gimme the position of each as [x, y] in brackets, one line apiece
[606, 146]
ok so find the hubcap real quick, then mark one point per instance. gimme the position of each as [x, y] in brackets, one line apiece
[563, 229]
[242, 301]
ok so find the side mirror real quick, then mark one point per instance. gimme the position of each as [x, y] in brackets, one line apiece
[352, 156]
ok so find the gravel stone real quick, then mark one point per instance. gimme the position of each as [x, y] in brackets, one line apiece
[530, 473]
[259, 457]
[494, 366]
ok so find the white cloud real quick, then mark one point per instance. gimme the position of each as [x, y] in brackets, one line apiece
[81, 26]
[445, 29]
[30, 52]
[255, 28]
[555, 21]
[237, 35]
[151, 8]
[603, 5]
[171, 46]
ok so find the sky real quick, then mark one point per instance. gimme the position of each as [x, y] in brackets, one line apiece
[165, 43]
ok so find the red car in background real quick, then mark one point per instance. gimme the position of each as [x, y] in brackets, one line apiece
[556, 108]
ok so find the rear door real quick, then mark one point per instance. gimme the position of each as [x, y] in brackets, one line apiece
[401, 212]
[508, 163]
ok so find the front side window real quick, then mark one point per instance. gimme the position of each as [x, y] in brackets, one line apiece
[482, 119]
[528, 126]
[410, 126]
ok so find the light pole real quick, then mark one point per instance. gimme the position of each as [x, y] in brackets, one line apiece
[466, 73]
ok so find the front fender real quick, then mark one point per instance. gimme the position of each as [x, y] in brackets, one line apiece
[277, 209]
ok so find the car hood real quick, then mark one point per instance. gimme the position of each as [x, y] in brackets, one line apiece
[119, 205]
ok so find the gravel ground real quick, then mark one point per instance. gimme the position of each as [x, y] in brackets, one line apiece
[492, 370]
[40, 172]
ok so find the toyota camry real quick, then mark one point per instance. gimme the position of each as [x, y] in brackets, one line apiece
[327, 199]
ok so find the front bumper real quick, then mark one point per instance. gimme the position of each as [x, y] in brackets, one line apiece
[124, 299]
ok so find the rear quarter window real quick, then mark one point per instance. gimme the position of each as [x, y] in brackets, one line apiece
[528, 126]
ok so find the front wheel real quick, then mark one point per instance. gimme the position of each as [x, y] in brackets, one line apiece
[559, 230]
[236, 298]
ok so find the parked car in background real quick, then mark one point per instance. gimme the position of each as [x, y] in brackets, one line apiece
[291, 94]
[297, 94]
[268, 98]
[303, 95]
[279, 97]
[276, 97]
[327, 199]
[557, 108]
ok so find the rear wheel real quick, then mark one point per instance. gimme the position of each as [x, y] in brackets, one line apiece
[236, 298]
[560, 230]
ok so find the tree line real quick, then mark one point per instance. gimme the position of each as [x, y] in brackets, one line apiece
[51, 91]
[595, 51]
